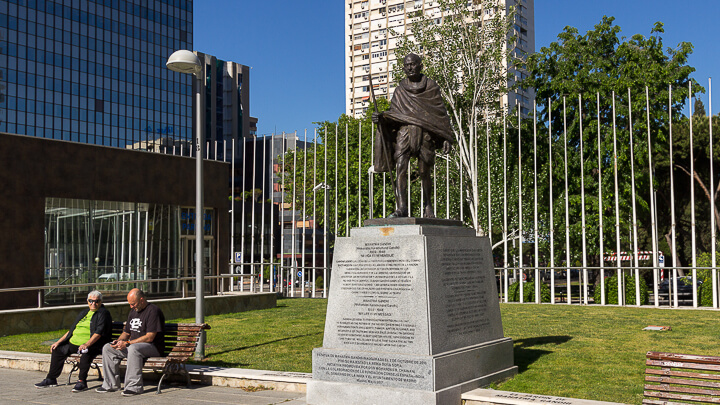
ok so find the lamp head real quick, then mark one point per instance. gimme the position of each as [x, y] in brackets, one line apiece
[184, 61]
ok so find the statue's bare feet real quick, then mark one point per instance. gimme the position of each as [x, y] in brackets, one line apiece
[429, 212]
[399, 213]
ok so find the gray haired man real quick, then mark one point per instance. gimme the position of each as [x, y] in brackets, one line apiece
[142, 337]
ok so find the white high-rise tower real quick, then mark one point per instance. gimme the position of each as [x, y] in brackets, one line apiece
[370, 47]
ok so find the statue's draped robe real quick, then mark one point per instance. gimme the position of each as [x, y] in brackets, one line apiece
[414, 103]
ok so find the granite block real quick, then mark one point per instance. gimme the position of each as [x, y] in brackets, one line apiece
[463, 296]
[413, 309]
[372, 368]
[377, 298]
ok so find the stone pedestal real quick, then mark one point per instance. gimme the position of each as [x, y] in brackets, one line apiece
[413, 317]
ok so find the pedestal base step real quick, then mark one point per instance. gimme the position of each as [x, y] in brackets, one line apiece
[491, 397]
[334, 393]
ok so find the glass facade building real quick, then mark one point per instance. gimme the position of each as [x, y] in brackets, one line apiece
[93, 71]
[100, 241]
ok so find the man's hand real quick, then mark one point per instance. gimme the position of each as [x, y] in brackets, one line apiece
[446, 147]
[376, 117]
[119, 344]
[54, 345]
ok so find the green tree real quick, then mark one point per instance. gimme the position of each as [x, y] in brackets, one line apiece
[347, 143]
[687, 168]
[603, 82]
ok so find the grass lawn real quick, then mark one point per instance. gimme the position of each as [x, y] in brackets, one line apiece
[571, 351]
[597, 352]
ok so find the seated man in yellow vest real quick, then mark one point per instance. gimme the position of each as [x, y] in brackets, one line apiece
[91, 330]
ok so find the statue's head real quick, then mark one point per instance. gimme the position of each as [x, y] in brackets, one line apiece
[412, 66]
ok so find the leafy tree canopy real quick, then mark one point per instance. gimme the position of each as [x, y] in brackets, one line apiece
[603, 62]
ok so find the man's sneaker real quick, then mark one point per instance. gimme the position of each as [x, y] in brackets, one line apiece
[128, 393]
[80, 386]
[46, 383]
[103, 390]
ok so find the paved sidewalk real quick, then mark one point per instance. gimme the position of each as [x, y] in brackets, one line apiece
[17, 387]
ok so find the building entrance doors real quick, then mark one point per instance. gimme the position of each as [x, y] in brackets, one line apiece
[188, 263]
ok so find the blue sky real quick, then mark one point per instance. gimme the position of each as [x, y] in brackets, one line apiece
[296, 48]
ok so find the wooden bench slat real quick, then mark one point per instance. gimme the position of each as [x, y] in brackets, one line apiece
[679, 364]
[684, 390]
[177, 355]
[185, 344]
[180, 354]
[186, 327]
[695, 398]
[693, 358]
[182, 350]
[659, 402]
[674, 373]
[682, 381]
[183, 335]
[188, 338]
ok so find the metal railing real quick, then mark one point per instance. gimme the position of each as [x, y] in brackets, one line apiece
[183, 292]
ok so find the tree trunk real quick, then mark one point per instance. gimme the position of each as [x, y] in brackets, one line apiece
[668, 239]
[706, 191]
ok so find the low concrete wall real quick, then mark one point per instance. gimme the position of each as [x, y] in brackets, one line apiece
[17, 321]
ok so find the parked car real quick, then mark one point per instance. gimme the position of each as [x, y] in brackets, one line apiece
[105, 277]
[559, 275]
[684, 285]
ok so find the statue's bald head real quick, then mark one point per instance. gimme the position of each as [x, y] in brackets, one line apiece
[411, 57]
[412, 66]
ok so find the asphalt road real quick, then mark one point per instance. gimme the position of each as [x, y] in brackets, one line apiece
[18, 387]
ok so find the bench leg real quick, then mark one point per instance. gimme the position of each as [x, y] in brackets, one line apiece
[159, 391]
[99, 370]
[75, 367]
[173, 368]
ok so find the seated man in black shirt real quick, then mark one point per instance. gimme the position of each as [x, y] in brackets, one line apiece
[142, 337]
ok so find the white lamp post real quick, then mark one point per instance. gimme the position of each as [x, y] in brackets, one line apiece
[184, 61]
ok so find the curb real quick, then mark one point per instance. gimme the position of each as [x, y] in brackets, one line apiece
[208, 375]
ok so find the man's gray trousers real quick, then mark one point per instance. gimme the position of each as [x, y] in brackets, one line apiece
[136, 354]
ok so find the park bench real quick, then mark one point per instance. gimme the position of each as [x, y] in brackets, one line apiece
[681, 378]
[180, 342]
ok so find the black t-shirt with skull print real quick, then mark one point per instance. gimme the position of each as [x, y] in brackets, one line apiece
[150, 319]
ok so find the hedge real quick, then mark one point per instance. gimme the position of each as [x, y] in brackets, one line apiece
[611, 291]
[528, 292]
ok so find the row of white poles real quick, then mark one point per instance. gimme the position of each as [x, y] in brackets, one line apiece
[304, 226]
[583, 293]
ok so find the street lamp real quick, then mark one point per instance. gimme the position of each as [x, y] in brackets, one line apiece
[184, 61]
